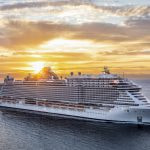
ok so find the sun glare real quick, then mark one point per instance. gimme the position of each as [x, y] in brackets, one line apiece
[37, 66]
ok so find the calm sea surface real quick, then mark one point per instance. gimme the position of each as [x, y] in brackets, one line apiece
[30, 132]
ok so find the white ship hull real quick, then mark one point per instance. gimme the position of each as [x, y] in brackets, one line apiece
[117, 115]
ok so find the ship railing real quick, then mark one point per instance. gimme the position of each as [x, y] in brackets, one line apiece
[9, 100]
[51, 104]
[43, 102]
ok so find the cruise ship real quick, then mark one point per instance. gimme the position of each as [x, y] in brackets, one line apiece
[104, 97]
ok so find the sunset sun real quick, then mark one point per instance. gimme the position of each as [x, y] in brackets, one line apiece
[37, 66]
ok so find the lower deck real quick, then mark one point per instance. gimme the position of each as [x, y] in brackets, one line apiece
[132, 115]
[33, 112]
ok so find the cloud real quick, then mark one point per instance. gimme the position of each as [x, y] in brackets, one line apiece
[39, 4]
[114, 35]
[23, 35]
[139, 22]
[127, 52]
[23, 5]
[126, 10]
[56, 56]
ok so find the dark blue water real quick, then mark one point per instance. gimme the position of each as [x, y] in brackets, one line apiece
[20, 131]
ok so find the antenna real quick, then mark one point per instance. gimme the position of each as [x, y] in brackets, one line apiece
[123, 75]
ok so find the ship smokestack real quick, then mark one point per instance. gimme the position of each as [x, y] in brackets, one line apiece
[79, 73]
[71, 73]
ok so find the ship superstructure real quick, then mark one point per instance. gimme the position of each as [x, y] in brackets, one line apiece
[106, 96]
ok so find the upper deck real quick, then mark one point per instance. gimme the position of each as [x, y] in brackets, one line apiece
[48, 78]
[105, 88]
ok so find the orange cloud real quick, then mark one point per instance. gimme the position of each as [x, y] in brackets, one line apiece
[24, 35]
[126, 43]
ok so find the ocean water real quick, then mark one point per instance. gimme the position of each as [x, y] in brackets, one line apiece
[19, 131]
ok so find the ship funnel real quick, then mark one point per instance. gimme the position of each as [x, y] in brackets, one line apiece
[71, 73]
[106, 70]
[79, 73]
[8, 80]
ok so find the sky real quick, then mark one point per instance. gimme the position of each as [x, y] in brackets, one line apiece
[74, 35]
